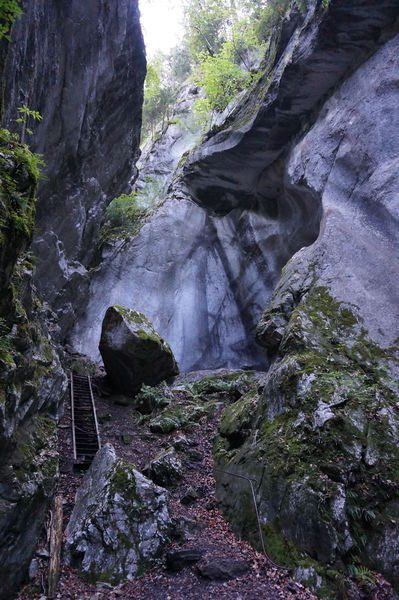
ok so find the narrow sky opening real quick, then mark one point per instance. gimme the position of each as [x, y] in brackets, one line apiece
[161, 21]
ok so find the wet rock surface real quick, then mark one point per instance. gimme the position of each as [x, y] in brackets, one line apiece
[90, 132]
[132, 351]
[119, 523]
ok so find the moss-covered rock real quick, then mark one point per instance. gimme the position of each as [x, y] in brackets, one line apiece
[152, 398]
[32, 382]
[119, 523]
[19, 174]
[177, 416]
[133, 352]
[324, 445]
[165, 469]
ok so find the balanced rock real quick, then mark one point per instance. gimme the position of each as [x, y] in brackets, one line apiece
[133, 352]
[119, 523]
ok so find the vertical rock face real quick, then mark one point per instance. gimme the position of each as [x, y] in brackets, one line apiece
[32, 382]
[323, 446]
[202, 280]
[203, 273]
[82, 65]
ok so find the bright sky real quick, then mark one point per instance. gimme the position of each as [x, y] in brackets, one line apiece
[161, 23]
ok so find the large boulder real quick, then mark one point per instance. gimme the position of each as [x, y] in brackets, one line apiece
[133, 352]
[119, 523]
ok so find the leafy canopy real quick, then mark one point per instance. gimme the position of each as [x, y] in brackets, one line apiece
[9, 11]
[222, 48]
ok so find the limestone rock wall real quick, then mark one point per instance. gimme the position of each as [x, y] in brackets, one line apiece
[82, 65]
[32, 382]
[323, 445]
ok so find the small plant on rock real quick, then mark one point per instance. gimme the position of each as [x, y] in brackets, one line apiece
[26, 117]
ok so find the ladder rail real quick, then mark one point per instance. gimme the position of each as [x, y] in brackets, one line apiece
[94, 413]
[73, 420]
[85, 431]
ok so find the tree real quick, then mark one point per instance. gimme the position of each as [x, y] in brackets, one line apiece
[206, 22]
[221, 79]
[9, 11]
[180, 63]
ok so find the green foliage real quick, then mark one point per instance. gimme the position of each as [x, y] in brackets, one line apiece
[362, 575]
[17, 207]
[160, 93]
[123, 211]
[221, 79]
[150, 399]
[26, 116]
[126, 214]
[180, 63]
[124, 218]
[5, 337]
[9, 11]
[206, 22]
[223, 45]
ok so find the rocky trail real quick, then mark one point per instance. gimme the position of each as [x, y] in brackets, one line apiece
[204, 558]
[228, 567]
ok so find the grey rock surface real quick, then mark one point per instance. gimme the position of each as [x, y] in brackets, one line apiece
[32, 382]
[203, 281]
[82, 65]
[242, 162]
[160, 157]
[335, 359]
[119, 523]
[165, 469]
[132, 351]
[204, 276]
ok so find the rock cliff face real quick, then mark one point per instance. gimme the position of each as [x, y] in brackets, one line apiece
[289, 205]
[305, 169]
[82, 65]
[202, 279]
[32, 383]
[323, 443]
[203, 276]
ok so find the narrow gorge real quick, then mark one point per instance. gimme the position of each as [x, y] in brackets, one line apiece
[239, 340]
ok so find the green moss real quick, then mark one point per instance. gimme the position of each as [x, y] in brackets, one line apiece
[328, 417]
[150, 399]
[124, 482]
[281, 550]
[237, 419]
[147, 336]
[132, 316]
[177, 416]
[35, 456]
[19, 175]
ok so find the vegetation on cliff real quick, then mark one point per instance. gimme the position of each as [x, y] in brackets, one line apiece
[9, 11]
[222, 51]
